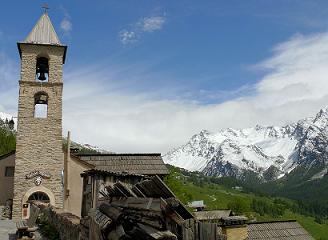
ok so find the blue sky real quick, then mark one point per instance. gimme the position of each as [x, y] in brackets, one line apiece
[146, 75]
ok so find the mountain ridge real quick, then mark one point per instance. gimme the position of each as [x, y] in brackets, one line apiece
[270, 150]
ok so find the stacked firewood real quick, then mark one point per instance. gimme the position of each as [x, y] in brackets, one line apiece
[137, 218]
[148, 210]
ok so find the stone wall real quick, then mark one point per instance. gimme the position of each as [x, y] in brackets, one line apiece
[66, 224]
[39, 140]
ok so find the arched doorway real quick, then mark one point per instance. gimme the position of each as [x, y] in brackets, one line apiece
[39, 189]
[38, 196]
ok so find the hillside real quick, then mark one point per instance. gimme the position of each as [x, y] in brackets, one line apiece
[218, 193]
[7, 138]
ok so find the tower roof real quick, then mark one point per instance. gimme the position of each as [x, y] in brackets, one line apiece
[43, 32]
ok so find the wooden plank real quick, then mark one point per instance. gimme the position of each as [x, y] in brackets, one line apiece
[188, 230]
[169, 212]
[144, 190]
[21, 225]
[155, 234]
[110, 190]
[151, 204]
[155, 191]
[196, 232]
[127, 192]
[207, 231]
[119, 192]
[165, 189]
[138, 192]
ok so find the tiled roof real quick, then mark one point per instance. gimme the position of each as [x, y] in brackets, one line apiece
[277, 231]
[138, 163]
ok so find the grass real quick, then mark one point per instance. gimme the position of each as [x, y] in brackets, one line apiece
[217, 196]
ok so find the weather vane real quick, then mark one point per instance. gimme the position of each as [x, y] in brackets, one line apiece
[45, 7]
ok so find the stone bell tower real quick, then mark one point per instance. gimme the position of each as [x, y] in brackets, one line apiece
[39, 155]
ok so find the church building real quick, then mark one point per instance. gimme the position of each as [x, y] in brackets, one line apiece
[41, 168]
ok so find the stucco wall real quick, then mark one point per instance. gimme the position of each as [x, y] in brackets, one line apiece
[6, 183]
[235, 232]
[73, 202]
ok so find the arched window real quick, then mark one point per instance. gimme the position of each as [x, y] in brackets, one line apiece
[41, 105]
[39, 196]
[42, 69]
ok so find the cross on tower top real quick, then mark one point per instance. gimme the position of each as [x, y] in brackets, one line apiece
[45, 7]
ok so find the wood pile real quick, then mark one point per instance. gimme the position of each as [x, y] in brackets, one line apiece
[148, 210]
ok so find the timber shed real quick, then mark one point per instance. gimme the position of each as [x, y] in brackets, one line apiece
[95, 183]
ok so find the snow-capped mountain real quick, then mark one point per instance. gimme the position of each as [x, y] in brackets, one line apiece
[263, 150]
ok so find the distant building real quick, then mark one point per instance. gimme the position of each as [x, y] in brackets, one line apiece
[213, 216]
[197, 205]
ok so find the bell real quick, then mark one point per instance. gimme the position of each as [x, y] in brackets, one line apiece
[42, 76]
[42, 68]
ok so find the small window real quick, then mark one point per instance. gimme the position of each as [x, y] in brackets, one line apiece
[41, 111]
[41, 105]
[39, 196]
[9, 172]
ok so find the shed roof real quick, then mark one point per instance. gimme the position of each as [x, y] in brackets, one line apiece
[277, 231]
[212, 215]
[7, 154]
[137, 163]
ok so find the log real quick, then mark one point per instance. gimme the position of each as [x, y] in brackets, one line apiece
[112, 212]
[155, 222]
[102, 220]
[117, 234]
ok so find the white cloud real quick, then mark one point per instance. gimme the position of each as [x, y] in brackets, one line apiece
[144, 25]
[102, 106]
[8, 84]
[127, 36]
[152, 24]
[66, 25]
[295, 87]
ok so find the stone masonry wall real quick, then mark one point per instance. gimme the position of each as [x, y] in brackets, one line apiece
[39, 140]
